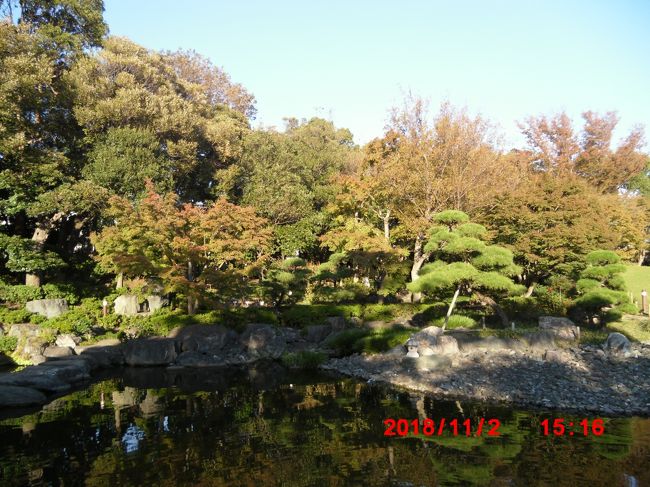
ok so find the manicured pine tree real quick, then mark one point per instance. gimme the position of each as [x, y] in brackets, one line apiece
[466, 264]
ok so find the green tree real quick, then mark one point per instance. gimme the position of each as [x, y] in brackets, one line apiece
[466, 264]
[601, 285]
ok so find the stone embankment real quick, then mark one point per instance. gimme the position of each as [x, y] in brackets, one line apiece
[66, 364]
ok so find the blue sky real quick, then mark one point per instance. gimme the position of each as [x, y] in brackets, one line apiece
[350, 61]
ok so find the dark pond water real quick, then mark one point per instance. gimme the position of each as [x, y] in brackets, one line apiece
[266, 426]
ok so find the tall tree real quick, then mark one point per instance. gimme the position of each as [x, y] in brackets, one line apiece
[556, 148]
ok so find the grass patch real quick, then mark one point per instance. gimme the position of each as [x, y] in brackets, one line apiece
[636, 279]
[303, 360]
[361, 340]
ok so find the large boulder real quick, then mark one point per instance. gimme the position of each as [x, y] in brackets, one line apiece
[105, 353]
[13, 396]
[57, 352]
[317, 333]
[152, 351]
[127, 305]
[562, 328]
[263, 341]
[207, 339]
[431, 341]
[156, 302]
[617, 344]
[197, 359]
[50, 308]
[31, 343]
[67, 340]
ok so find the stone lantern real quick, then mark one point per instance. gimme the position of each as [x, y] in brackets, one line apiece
[412, 349]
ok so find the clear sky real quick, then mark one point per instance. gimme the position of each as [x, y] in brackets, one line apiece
[350, 61]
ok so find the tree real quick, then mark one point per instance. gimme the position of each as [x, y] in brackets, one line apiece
[71, 25]
[287, 177]
[451, 162]
[127, 87]
[187, 247]
[466, 264]
[556, 148]
[550, 223]
[601, 284]
[285, 281]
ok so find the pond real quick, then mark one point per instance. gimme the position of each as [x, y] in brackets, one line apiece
[269, 426]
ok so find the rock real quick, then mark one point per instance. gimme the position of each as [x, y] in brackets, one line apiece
[210, 339]
[557, 356]
[432, 363]
[54, 376]
[617, 343]
[57, 352]
[50, 308]
[67, 340]
[541, 340]
[24, 330]
[5, 360]
[155, 302]
[152, 351]
[263, 341]
[198, 359]
[562, 328]
[337, 323]
[127, 305]
[317, 333]
[105, 353]
[30, 344]
[12, 396]
[431, 341]
[40, 379]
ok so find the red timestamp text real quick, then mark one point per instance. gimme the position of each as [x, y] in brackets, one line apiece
[429, 427]
[562, 427]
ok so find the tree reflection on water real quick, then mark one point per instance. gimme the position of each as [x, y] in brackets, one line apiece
[266, 426]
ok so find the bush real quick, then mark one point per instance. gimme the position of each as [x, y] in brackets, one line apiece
[13, 316]
[303, 360]
[79, 320]
[20, 294]
[8, 344]
[345, 341]
[550, 302]
[362, 340]
[456, 321]
[382, 340]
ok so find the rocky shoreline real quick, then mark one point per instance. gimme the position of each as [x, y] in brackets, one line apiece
[582, 379]
[546, 369]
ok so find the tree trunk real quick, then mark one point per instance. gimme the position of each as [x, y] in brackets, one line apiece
[386, 219]
[488, 301]
[41, 233]
[451, 308]
[119, 281]
[530, 290]
[642, 255]
[191, 300]
[33, 280]
[192, 304]
[419, 258]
